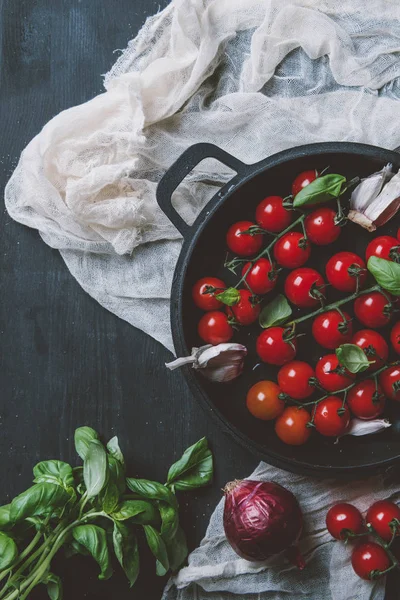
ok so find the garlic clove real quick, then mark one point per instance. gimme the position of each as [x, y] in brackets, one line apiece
[220, 364]
[360, 427]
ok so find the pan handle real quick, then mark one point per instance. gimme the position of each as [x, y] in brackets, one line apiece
[178, 171]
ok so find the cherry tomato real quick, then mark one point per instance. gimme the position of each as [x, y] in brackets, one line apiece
[302, 180]
[321, 227]
[294, 379]
[395, 337]
[343, 517]
[241, 243]
[304, 286]
[273, 349]
[292, 250]
[261, 277]
[263, 400]
[246, 311]
[330, 330]
[366, 400]
[368, 558]
[328, 421]
[203, 299]
[291, 426]
[372, 310]
[214, 328]
[380, 515]
[384, 246]
[331, 374]
[272, 215]
[341, 271]
[374, 346]
[390, 382]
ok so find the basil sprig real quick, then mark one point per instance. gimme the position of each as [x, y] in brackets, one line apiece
[352, 357]
[386, 273]
[322, 189]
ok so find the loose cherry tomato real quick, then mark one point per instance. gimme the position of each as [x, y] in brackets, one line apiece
[330, 330]
[374, 346]
[372, 310]
[331, 374]
[380, 515]
[304, 287]
[343, 517]
[292, 250]
[342, 270]
[243, 244]
[395, 337]
[321, 226]
[294, 379]
[368, 559]
[366, 400]
[384, 246]
[390, 382]
[205, 299]
[327, 419]
[302, 180]
[272, 348]
[261, 277]
[272, 215]
[214, 328]
[263, 400]
[291, 426]
[246, 311]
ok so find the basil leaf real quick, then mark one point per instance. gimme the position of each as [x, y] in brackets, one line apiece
[5, 518]
[8, 550]
[54, 471]
[115, 486]
[158, 548]
[115, 450]
[83, 437]
[54, 587]
[194, 469]
[386, 273]
[177, 549]
[352, 357]
[275, 313]
[127, 551]
[131, 508]
[116, 473]
[95, 468]
[109, 497]
[40, 499]
[230, 296]
[151, 490]
[169, 520]
[322, 189]
[93, 538]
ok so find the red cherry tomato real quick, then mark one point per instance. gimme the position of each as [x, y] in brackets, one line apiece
[343, 517]
[321, 227]
[374, 346]
[214, 328]
[368, 559]
[390, 382]
[395, 337]
[341, 271]
[246, 311]
[273, 349]
[330, 330]
[261, 277]
[366, 400]
[328, 421]
[272, 215]
[384, 246]
[380, 515]
[302, 180]
[291, 426]
[302, 287]
[372, 310]
[241, 243]
[292, 250]
[263, 400]
[294, 379]
[331, 374]
[203, 299]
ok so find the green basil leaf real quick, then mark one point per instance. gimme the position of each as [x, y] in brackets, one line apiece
[54, 587]
[177, 549]
[275, 312]
[230, 296]
[322, 189]
[54, 471]
[194, 469]
[115, 486]
[116, 473]
[169, 520]
[40, 499]
[127, 551]
[151, 490]
[132, 508]
[8, 550]
[158, 548]
[109, 497]
[5, 518]
[352, 357]
[386, 273]
[95, 468]
[93, 538]
[115, 450]
[83, 437]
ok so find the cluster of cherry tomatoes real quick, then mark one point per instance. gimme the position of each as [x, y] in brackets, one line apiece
[371, 558]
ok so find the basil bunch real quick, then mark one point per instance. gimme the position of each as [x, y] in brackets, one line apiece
[95, 510]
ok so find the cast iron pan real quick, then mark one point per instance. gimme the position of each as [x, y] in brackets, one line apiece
[203, 253]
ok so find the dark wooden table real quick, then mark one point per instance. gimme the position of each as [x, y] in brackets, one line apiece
[65, 361]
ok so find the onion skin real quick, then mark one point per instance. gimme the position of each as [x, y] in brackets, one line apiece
[262, 519]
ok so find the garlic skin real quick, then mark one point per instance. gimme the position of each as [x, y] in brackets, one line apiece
[220, 364]
[360, 427]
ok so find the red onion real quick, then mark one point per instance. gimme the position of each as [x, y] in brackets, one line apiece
[262, 519]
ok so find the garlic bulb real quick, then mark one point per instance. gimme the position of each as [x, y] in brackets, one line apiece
[220, 363]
